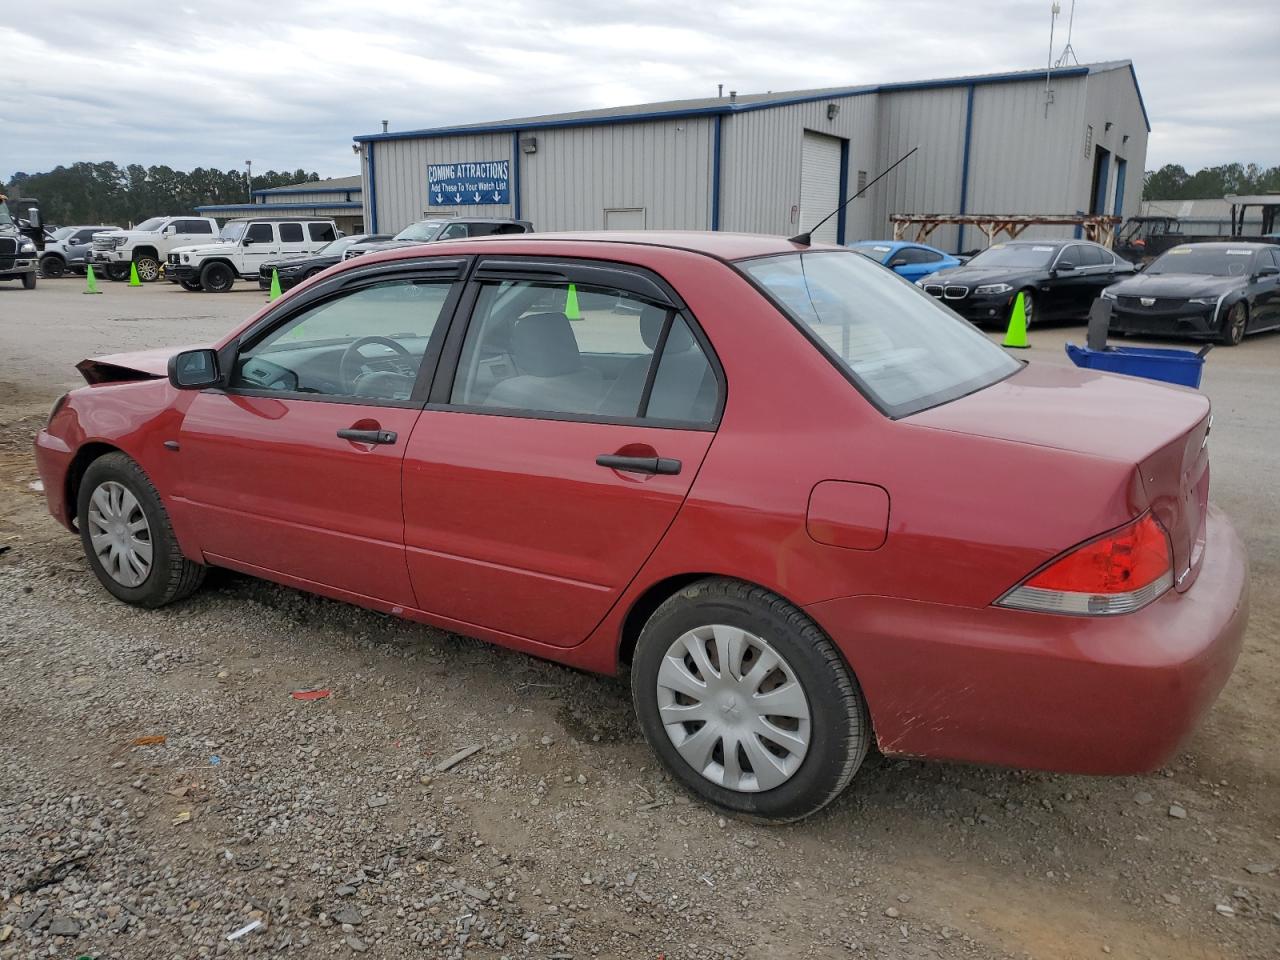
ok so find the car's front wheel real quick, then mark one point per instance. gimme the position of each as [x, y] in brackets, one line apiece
[1028, 306]
[117, 271]
[53, 266]
[29, 280]
[127, 535]
[747, 702]
[1233, 327]
[148, 268]
[216, 278]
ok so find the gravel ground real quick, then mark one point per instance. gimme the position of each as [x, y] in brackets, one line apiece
[449, 799]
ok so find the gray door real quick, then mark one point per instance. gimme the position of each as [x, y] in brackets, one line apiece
[819, 183]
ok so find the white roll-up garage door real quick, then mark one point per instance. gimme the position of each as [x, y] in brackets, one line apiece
[819, 183]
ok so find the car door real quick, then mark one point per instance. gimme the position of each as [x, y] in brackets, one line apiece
[293, 239]
[187, 233]
[294, 469]
[1068, 286]
[79, 244]
[1266, 291]
[259, 244]
[555, 451]
[915, 262]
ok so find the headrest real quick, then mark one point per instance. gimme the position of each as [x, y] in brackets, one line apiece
[651, 319]
[543, 345]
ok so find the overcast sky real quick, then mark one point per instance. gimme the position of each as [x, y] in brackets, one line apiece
[287, 84]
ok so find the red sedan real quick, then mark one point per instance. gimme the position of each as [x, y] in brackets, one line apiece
[804, 503]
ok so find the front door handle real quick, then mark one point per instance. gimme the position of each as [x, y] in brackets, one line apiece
[639, 464]
[368, 436]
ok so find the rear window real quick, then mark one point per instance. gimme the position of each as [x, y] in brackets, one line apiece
[904, 351]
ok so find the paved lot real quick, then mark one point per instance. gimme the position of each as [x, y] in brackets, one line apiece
[333, 823]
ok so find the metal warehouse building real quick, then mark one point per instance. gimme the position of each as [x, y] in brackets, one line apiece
[776, 163]
[339, 199]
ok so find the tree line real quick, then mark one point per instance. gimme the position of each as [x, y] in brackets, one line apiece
[107, 193]
[1173, 182]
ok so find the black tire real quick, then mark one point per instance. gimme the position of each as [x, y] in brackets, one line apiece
[1233, 325]
[189, 284]
[216, 278]
[312, 272]
[117, 271]
[148, 268]
[840, 728]
[1028, 305]
[53, 266]
[29, 280]
[172, 576]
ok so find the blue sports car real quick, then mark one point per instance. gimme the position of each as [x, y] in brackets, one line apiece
[910, 260]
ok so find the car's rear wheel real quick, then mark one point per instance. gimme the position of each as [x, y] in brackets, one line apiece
[148, 268]
[29, 280]
[216, 278]
[747, 702]
[311, 273]
[53, 267]
[1233, 326]
[189, 284]
[117, 271]
[1028, 306]
[127, 536]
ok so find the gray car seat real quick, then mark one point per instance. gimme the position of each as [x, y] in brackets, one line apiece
[552, 376]
[685, 387]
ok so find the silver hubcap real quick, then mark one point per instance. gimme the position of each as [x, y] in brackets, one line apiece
[120, 534]
[733, 708]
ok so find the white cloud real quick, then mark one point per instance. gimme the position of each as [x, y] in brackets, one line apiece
[288, 84]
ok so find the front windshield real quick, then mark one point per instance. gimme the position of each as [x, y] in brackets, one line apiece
[334, 248]
[232, 231]
[903, 350]
[1027, 255]
[6, 220]
[149, 225]
[424, 231]
[1207, 262]
[872, 251]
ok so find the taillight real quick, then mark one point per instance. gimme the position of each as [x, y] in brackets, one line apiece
[1118, 572]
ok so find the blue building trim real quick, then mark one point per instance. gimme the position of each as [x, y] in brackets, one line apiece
[372, 225]
[1142, 103]
[844, 190]
[964, 166]
[725, 108]
[515, 174]
[265, 209]
[715, 172]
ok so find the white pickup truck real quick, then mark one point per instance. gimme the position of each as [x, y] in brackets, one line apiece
[148, 244]
[242, 248]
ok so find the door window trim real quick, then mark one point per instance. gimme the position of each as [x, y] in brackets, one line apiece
[343, 285]
[588, 272]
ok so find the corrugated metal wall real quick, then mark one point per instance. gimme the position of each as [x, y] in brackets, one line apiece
[760, 163]
[577, 173]
[322, 198]
[401, 176]
[930, 182]
[1111, 99]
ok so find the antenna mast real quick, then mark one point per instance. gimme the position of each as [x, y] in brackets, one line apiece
[1068, 50]
[1054, 10]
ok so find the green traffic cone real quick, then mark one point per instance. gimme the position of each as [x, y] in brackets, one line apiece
[275, 285]
[134, 281]
[1016, 335]
[571, 304]
[90, 281]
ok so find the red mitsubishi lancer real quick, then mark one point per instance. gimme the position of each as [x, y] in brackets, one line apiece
[805, 504]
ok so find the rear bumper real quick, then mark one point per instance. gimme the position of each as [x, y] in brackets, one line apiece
[1115, 695]
[53, 460]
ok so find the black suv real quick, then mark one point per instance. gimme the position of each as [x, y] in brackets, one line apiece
[442, 228]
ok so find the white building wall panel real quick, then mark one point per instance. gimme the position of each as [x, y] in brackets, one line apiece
[321, 198]
[1112, 98]
[577, 173]
[1022, 161]
[401, 176]
[930, 182]
[761, 163]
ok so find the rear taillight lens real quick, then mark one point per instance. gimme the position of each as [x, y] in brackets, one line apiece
[1119, 572]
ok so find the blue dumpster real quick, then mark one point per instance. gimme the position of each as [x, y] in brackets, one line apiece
[1172, 366]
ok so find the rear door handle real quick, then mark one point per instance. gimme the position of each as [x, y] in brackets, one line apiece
[368, 436]
[639, 464]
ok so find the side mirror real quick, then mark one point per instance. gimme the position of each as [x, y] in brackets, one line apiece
[170, 230]
[247, 242]
[1264, 272]
[33, 217]
[194, 369]
[899, 262]
[73, 242]
[1064, 267]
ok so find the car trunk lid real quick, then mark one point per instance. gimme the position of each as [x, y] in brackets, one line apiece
[1162, 430]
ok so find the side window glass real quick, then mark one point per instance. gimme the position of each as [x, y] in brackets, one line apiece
[454, 231]
[1094, 256]
[1069, 256]
[201, 226]
[557, 348]
[321, 232]
[84, 236]
[290, 233]
[367, 343]
[259, 233]
[684, 387]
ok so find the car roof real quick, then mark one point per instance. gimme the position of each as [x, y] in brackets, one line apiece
[272, 219]
[1042, 243]
[725, 246]
[1226, 245]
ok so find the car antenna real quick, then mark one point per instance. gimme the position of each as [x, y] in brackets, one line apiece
[806, 238]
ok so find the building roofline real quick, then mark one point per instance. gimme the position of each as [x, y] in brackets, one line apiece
[318, 205]
[724, 106]
[278, 191]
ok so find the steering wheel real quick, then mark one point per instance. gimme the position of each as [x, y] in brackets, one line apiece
[352, 362]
